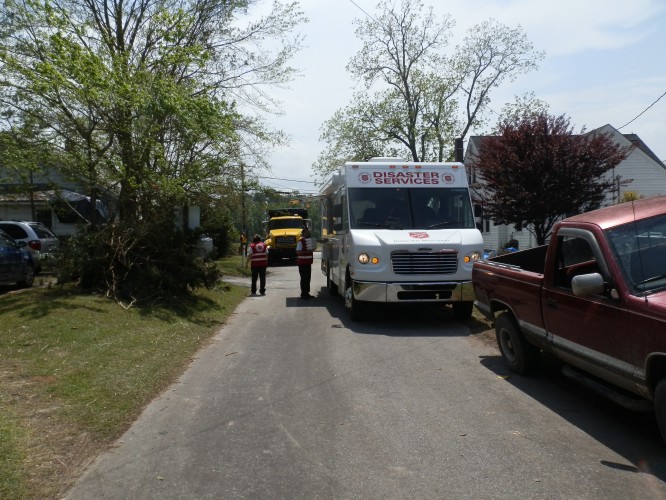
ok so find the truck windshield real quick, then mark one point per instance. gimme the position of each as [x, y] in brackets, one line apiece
[640, 248]
[285, 224]
[410, 208]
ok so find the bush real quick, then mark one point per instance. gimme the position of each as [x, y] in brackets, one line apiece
[136, 262]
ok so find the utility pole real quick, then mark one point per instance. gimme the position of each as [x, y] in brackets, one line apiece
[243, 211]
[244, 237]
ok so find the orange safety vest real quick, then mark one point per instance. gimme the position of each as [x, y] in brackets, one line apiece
[304, 256]
[259, 255]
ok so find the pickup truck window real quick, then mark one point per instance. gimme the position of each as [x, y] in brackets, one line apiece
[574, 257]
[640, 248]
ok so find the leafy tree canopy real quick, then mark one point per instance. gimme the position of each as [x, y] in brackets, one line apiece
[537, 170]
[417, 99]
[144, 99]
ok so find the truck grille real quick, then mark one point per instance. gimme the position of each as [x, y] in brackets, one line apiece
[424, 263]
[285, 240]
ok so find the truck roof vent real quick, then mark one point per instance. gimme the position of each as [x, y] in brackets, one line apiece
[386, 158]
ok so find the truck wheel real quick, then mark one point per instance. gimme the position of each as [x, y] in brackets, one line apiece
[356, 308]
[463, 310]
[330, 285]
[660, 407]
[521, 356]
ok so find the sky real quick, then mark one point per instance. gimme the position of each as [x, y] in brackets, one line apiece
[605, 63]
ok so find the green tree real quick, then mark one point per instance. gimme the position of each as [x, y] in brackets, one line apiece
[418, 99]
[537, 171]
[140, 99]
[526, 104]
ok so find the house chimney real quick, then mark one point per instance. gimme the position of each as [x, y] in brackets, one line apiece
[459, 153]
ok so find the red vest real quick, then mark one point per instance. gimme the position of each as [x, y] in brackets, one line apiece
[304, 256]
[259, 255]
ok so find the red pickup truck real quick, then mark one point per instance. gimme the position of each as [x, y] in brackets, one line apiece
[594, 297]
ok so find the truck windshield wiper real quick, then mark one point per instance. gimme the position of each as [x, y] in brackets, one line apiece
[653, 278]
[443, 224]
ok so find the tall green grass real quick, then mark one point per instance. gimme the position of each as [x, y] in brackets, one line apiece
[83, 365]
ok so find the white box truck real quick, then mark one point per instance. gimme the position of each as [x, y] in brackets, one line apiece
[399, 232]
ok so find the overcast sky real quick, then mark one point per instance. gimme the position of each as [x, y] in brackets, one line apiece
[605, 64]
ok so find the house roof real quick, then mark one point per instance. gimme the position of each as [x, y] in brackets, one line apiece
[637, 141]
[25, 198]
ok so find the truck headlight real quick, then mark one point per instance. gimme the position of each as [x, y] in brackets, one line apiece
[364, 258]
[472, 257]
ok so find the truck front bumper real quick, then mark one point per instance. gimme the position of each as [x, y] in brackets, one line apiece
[282, 253]
[444, 291]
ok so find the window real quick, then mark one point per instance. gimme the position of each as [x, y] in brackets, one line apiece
[44, 216]
[574, 257]
[640, 248]
[410, 208]
[14, 230]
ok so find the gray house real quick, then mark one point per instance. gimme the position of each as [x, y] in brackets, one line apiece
[640, 172]
[47, 198]
[60, 205]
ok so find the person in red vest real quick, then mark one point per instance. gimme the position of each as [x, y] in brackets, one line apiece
[304, 258]
[257, 258]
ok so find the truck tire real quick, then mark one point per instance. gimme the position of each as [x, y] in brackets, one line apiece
[660, 407]
[463, 310]
[521, 356]
[356, 308]
[330, 285]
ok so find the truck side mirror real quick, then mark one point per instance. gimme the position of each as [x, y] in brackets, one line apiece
[585, 285]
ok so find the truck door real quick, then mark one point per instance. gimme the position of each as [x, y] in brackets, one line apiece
[336, 237]
[587, 332]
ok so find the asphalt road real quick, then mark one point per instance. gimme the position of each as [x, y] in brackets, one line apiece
[292, 400]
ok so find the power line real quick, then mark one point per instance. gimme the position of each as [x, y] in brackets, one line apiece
[284, 189]
[361, 9]
[289, 180]
[642, 112]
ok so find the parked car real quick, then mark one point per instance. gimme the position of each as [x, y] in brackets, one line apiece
[39, 239]
[16, 264]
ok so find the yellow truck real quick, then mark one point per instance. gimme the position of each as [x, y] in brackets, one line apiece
[283, 230]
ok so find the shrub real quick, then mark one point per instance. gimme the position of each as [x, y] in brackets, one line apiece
[145, 260]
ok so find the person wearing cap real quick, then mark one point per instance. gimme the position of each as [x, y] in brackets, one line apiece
[257, 258]
[304, 258]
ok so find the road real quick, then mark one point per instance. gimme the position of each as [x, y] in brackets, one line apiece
[292, 400]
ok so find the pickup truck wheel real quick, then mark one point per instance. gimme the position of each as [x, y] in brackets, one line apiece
[521, 356]
[660, 407]
[330, 285]
[463, 310]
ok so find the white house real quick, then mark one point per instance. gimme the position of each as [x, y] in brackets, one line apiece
[640, 172]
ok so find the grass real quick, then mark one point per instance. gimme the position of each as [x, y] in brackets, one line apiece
[76, 370]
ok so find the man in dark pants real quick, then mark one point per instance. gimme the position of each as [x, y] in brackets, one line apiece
[304, 257]
[257, 257]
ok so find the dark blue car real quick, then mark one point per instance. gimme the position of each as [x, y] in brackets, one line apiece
[16, 265]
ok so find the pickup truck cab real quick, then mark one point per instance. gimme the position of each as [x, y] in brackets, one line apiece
[594, 297]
